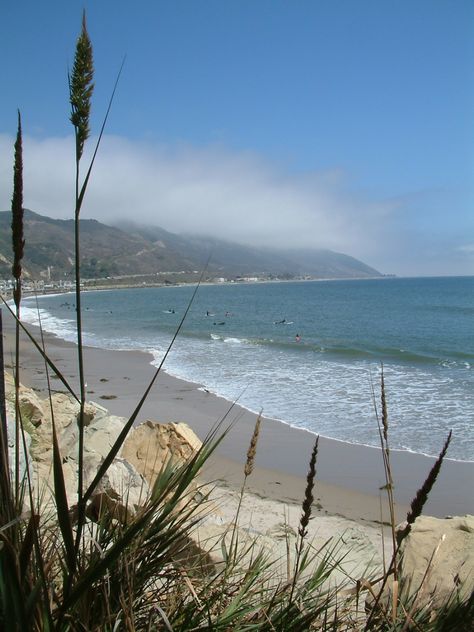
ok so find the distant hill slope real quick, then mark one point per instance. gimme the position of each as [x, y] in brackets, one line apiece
[131, 249]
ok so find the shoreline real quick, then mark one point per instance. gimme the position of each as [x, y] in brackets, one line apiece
[249, 410]
[29, 293]
[348, 475]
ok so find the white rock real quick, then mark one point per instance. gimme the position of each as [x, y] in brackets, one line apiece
[438, 557]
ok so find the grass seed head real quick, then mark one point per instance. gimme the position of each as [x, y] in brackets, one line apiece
[421, 497]
[308, 492]
[251, 452]
[18, 241]
[81, 88]
[384, 408]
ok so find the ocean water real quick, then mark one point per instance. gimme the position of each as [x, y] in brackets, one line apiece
[234, 343]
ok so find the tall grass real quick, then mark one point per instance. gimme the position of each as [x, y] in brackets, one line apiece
[18, 244]
[80, 90]
[90, 567]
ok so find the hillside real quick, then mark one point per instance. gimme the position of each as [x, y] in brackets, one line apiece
[131, 249]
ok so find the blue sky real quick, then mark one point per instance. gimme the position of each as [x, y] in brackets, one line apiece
[339, 124]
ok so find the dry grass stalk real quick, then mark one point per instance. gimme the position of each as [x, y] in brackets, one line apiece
[384, 408]
[389, 487]
[421, 497]
[252, 451]
[80, 94]
[248, 469]
[18, 243]
[18, 240]
[308, 492]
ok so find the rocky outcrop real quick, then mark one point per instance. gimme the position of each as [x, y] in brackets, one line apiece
[437, 559]
[151, 445]
[126, 484]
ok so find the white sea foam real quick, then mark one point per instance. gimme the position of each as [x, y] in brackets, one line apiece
[60, 327]
[329, 398]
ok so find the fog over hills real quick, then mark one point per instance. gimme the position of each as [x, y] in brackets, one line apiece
[134, 249]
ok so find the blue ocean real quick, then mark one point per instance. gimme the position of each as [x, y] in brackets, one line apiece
[307, 353]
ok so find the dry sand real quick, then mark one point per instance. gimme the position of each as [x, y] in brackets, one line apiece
[348, 476]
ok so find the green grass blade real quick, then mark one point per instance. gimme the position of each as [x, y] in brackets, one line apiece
[167, 529]
[28, 544]
[12, 609]
[62, 507]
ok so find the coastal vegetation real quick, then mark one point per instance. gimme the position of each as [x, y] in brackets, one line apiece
[84, 566]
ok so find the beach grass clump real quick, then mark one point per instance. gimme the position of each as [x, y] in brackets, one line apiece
[94, 566]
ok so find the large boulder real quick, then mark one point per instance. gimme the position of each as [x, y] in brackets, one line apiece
[32, 408]
[99, 436]
[151, 445]
[437, 558]
[23, 460]
[126, 484]
[120, 492]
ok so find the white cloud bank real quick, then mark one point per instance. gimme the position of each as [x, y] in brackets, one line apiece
[213, 191]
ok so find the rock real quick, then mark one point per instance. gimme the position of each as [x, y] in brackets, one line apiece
[120, 492]
[88, 414]
[443, 549]
[124, 487]
[100, 432]
[150, 445]
[99, 437]
[23, 460]
[32, 408]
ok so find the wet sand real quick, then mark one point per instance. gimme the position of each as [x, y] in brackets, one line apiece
[349, 476]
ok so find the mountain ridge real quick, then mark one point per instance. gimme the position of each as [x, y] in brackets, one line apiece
[131, 249]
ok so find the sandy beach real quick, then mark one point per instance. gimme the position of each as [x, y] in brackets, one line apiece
[349, 476]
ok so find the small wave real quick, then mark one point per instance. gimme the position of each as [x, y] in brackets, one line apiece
[466, 310]
[46, 296]
[455, 364]
[229, 339]
[60, 327]
[451, 359]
